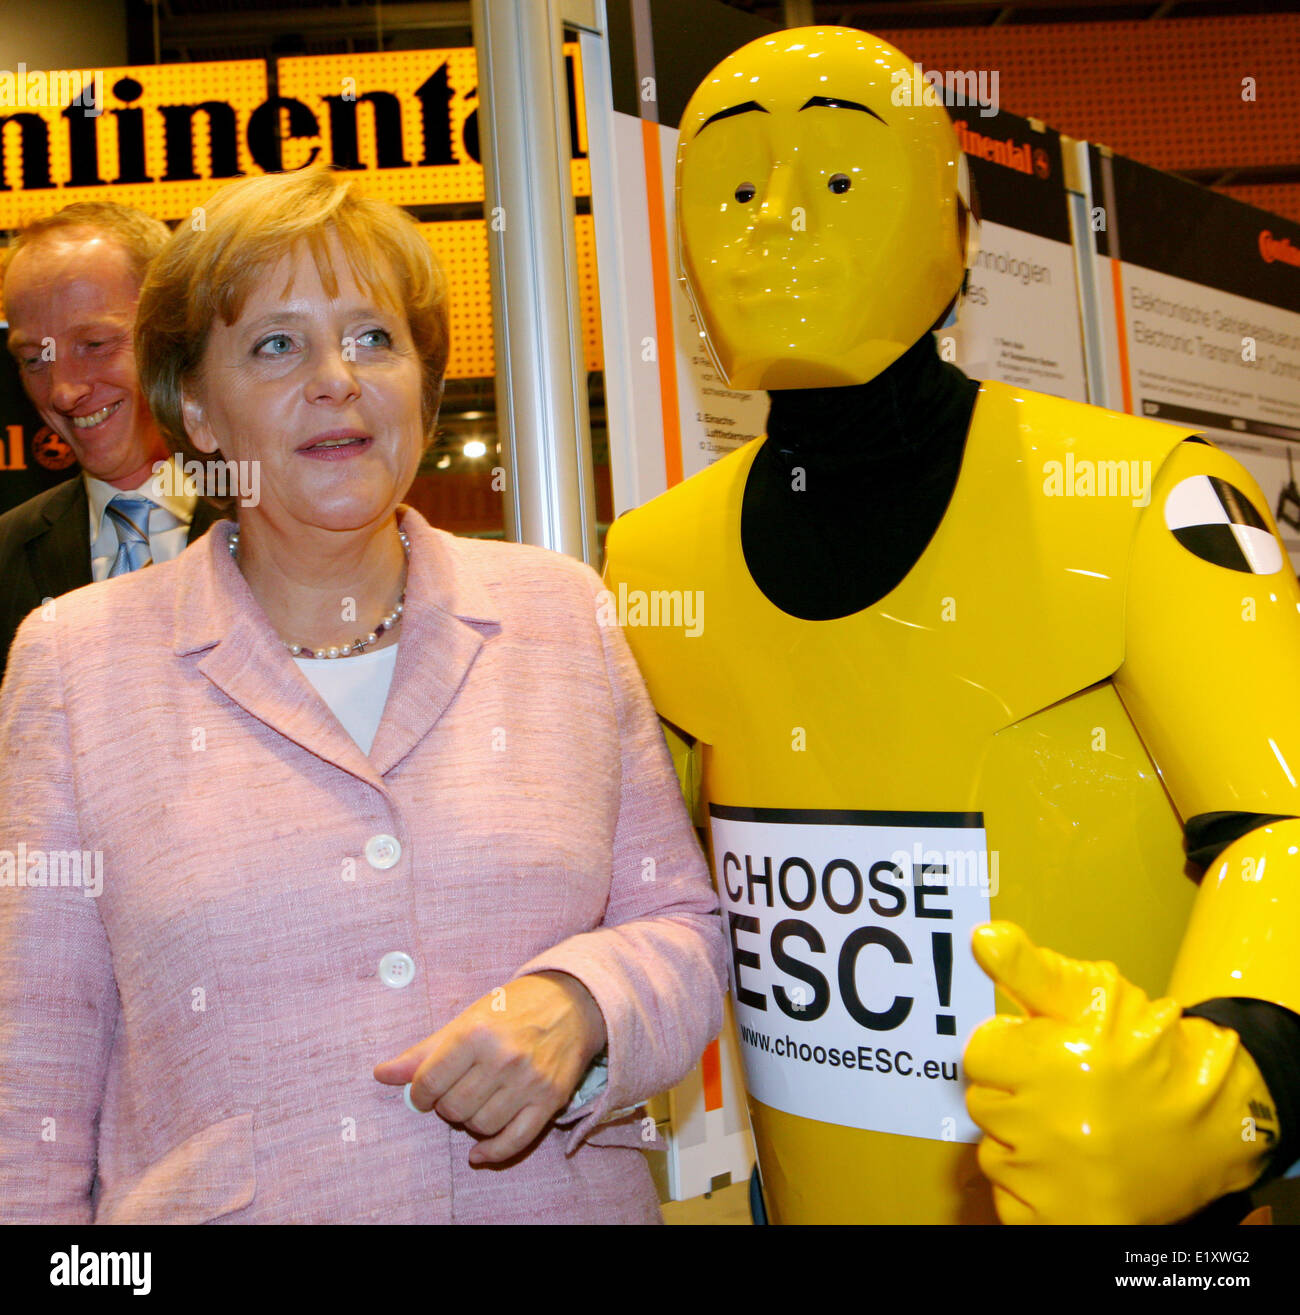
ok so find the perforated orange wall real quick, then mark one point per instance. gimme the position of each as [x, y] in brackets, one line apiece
[1170, 93]
[462, 250]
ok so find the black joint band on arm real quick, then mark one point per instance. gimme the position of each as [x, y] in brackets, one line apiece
[1272, 1036]
[1207, 835]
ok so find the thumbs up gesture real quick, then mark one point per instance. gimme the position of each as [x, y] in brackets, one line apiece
[1101, 1106]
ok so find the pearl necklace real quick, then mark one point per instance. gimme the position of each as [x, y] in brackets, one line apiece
[360, 644]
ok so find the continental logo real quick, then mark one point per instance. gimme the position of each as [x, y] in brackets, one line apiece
[263, 130]
[1011, 154]
[1278, 248]
[147, 126]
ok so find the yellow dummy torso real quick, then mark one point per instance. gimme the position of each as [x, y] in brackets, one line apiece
[979, 685]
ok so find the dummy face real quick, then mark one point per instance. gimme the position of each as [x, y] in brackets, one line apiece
[817, 220]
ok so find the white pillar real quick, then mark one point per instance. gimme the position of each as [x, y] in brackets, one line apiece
[541, 381]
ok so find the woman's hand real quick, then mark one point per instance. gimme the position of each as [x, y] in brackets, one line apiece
[507, 1065]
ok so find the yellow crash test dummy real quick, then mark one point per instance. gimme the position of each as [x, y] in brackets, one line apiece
[930, 691]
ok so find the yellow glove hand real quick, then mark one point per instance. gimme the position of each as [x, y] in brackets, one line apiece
[1102, 1106]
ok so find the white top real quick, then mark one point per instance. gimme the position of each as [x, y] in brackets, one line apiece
[354, 688]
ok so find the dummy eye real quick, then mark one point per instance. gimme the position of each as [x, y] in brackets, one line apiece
[839, 183]
[746, 192]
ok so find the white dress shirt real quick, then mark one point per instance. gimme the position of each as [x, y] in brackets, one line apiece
[169, 527]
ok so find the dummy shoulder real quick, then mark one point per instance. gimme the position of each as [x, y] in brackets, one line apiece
[1051, 495]
[1207, 508]
[1088, 459]
[670, 566]
[672, 539]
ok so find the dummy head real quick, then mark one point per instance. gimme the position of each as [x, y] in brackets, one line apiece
[822, 228]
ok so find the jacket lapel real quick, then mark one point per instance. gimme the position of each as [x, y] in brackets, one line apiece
[216, 612]
[58, 553]
[448, 616]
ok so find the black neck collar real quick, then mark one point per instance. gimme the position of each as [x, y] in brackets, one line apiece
[852, 483]
[898, 413]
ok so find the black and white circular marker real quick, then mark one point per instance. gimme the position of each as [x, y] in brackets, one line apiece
[1218, 522]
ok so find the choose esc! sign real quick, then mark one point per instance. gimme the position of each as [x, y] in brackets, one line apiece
[851, 970]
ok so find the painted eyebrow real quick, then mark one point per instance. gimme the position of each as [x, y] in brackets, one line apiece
[835, 103]
[746, 108]
[813, 102]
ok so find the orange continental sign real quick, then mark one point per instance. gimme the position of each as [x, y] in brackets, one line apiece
[162, 135]
[1009, 153]
[166, 137]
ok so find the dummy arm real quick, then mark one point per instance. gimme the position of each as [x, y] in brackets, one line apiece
[1101, 1105]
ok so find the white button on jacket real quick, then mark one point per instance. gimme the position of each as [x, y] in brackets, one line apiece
[396, 969]
[382, 852]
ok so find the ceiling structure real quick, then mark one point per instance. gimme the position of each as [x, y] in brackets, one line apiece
[877, 14]
[189, 30]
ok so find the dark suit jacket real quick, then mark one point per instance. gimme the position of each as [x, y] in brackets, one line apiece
[45, 551]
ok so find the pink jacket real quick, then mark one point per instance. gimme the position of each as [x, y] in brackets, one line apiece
[195, 1044]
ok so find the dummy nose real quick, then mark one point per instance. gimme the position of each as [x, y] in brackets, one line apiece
[781, 202]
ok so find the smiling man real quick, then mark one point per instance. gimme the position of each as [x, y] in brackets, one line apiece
[71, 285]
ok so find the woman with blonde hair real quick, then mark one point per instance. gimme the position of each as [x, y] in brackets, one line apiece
[419, 919]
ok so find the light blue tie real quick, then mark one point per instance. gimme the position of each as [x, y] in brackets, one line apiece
[131, 521]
